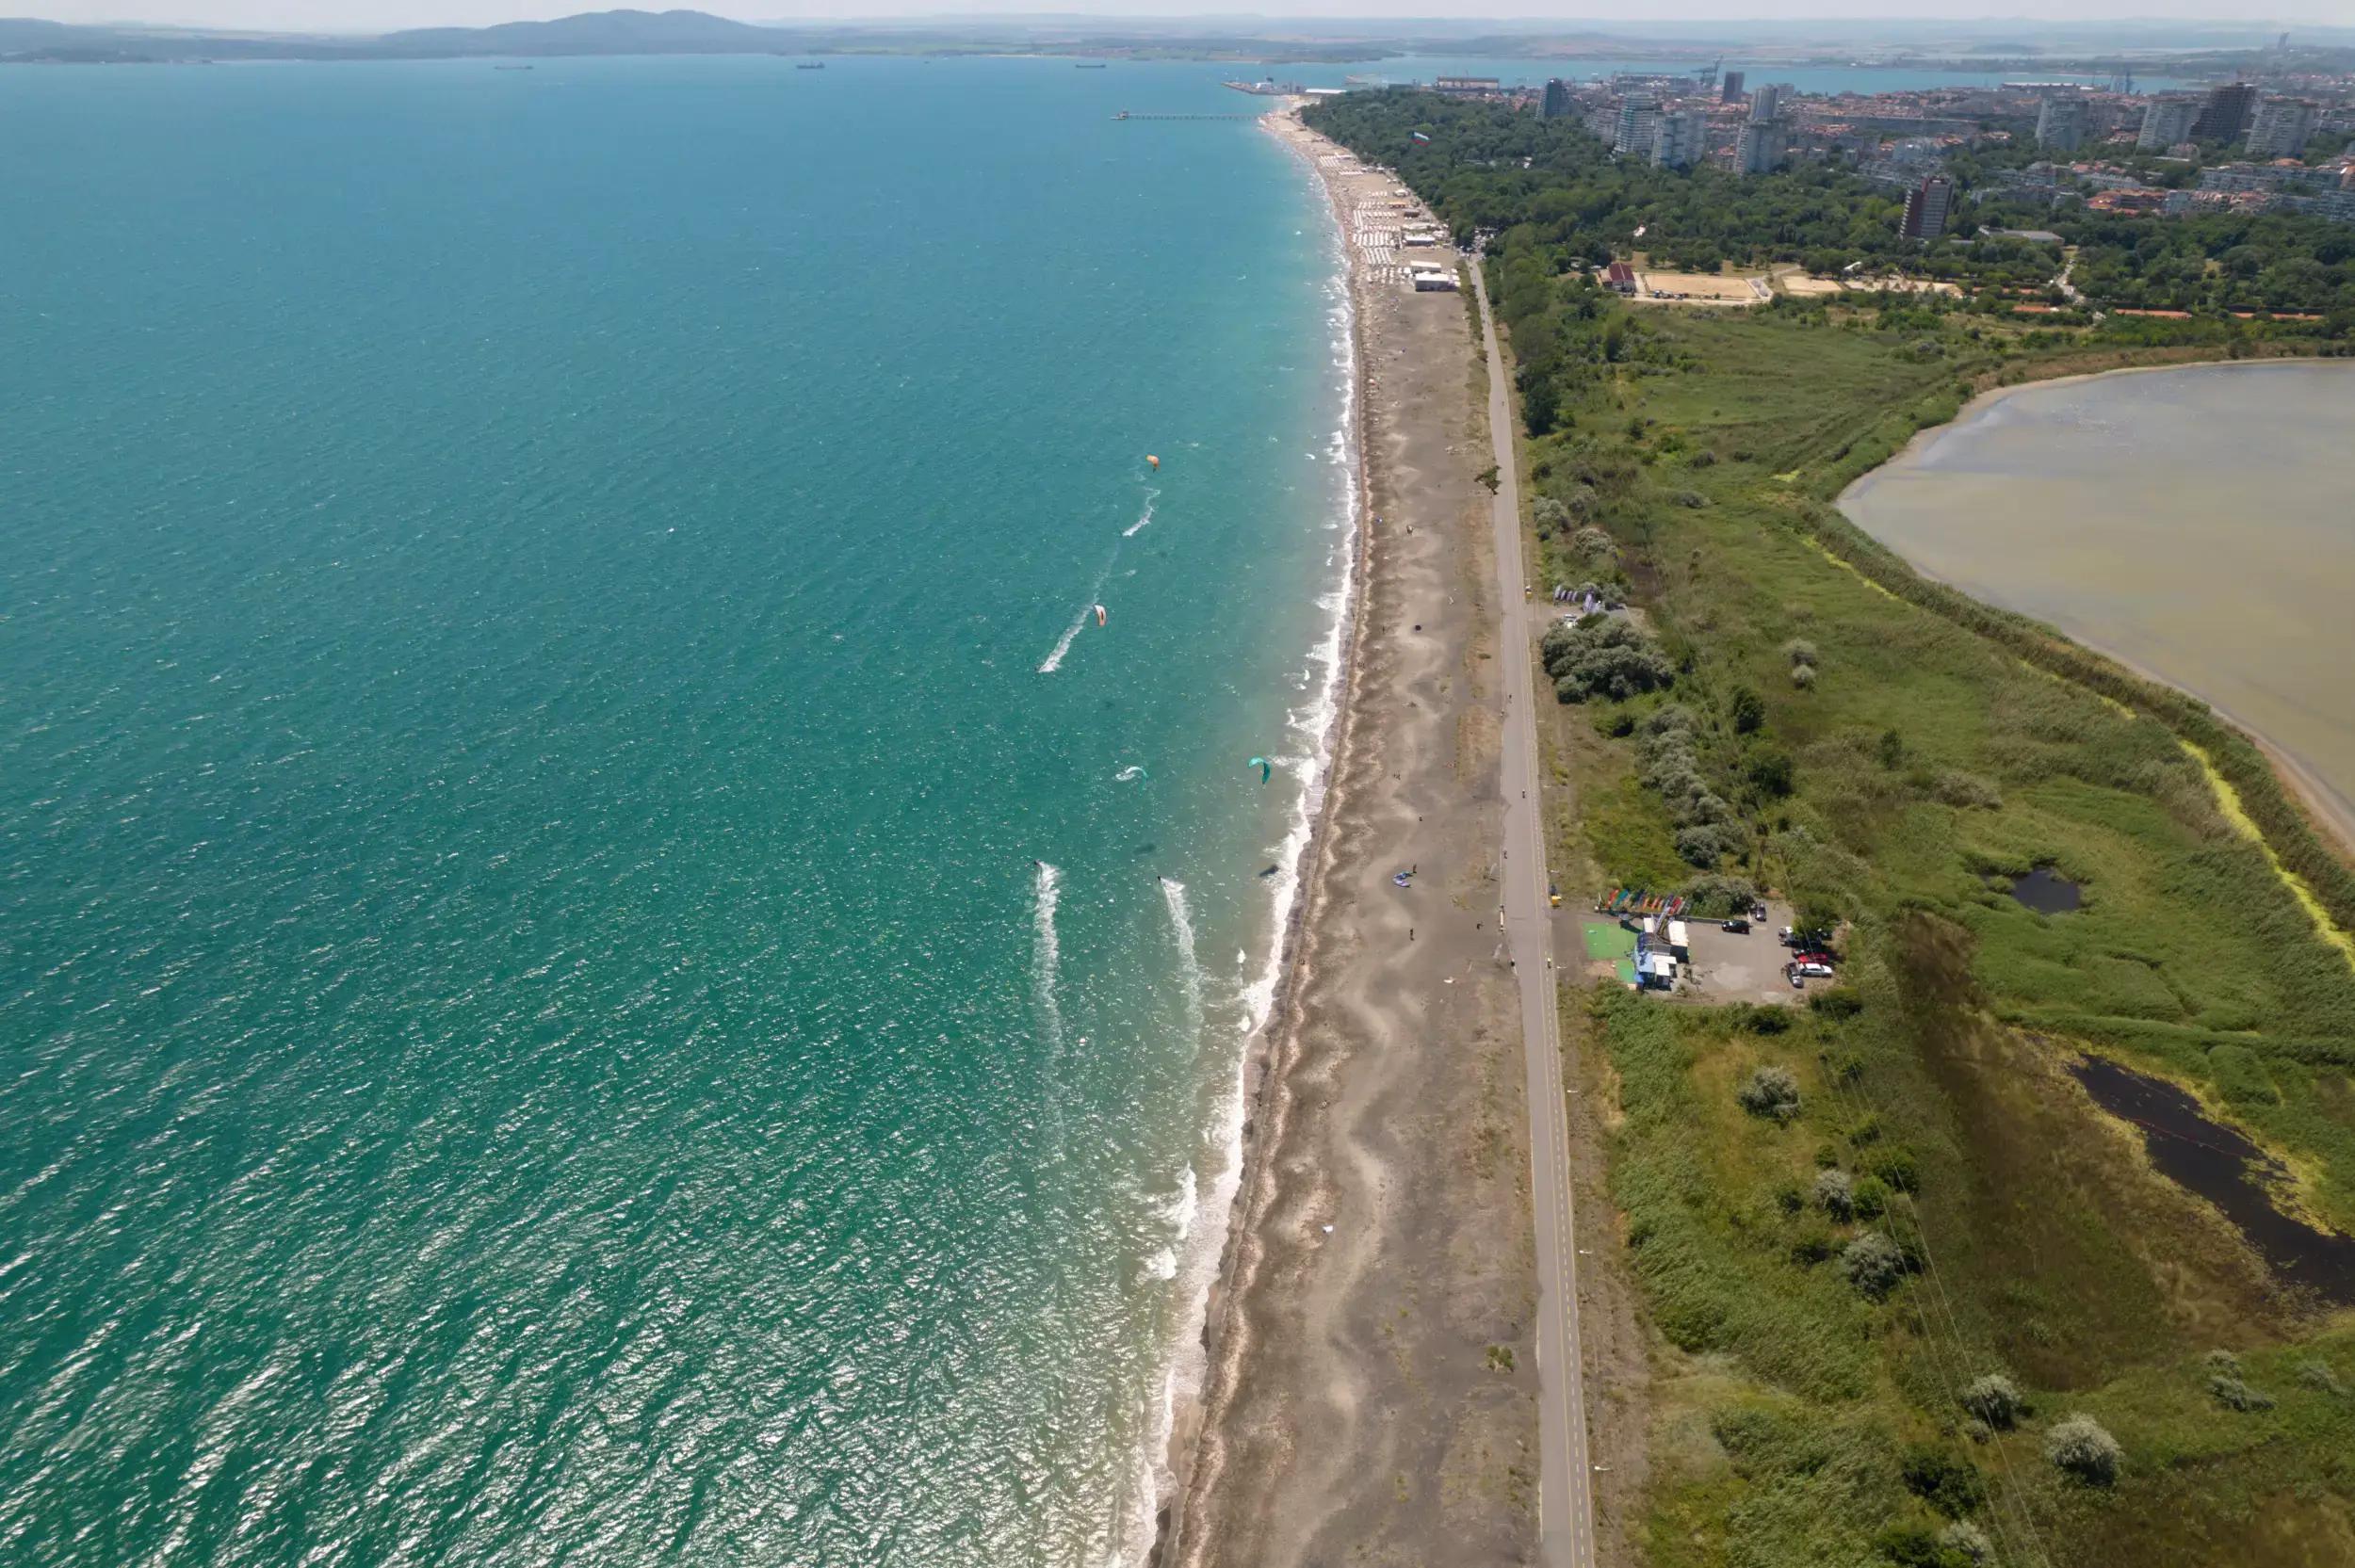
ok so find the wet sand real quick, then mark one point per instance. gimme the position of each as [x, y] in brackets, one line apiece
[2193, 522]
[1370, 1392]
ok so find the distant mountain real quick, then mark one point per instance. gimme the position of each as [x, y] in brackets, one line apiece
[594, 33]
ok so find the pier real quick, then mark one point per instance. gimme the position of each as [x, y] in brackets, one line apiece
[1127, 114]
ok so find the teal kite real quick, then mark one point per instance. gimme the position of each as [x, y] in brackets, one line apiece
[1261, 764]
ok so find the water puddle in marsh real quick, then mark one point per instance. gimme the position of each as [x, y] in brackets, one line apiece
[2047, 892]
[2227, 1169]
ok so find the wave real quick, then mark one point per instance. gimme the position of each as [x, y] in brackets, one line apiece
[1047, 956]
[1087, 612]
[1137, 526]
[1181, 926]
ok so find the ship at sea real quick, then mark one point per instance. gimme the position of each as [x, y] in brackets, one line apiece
[811, 65]
[1088, 65]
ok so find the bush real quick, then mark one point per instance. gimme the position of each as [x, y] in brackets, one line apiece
[1873, 1264]
[1772, 1091]
[1994, 1398]
[1842, 1003]
[2317, 1376]
[1549, 516]
[1956, 788]
[2079, 1446]
[1835, 1193]
[2229, 1391]
[1766, 1018]
[1966, 1539]
[1943, 1479]
[1896, 1169]
[1604, 656]
[1714, 897]
[1593, 545]
[1799, 651]
[1769, 772]
[1803, 676]
[1812, 1246]
[1701, 846]
[1749, 711]
[1872, 1197]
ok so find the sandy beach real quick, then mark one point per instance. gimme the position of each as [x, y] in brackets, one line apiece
[1370, 1392]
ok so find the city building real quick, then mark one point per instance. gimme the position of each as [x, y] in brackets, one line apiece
[2281, 128]
[2225, 112]
[1766, 103]
[1556, 104]
[1639, 120]
[1731, 92]
[1927, 206]
[1678, 140]
[2167, 120]
[1758, 149]
[1468, 86]
[2060, 124]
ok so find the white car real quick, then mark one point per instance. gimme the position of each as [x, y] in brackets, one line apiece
[1811, 971]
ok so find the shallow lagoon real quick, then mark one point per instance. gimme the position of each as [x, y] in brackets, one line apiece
[2197, 523]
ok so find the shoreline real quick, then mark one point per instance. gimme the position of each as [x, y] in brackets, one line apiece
[1374, 1259]
[1188, 1411]
[2329, 812]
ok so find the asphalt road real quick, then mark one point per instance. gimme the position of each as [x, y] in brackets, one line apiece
[1566, 1503]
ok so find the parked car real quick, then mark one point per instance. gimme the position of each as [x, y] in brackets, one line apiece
[1827, 959]
[1738, 926]
[1809, 969]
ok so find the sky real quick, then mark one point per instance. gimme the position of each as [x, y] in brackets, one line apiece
[326, 16]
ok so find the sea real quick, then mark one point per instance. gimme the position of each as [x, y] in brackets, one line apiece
[607, 958]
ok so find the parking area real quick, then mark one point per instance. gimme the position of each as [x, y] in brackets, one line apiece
[1728, 967]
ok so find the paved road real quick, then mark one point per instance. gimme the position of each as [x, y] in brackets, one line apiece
[1566, 1502]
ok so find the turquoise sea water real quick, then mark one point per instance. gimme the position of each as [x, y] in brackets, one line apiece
[533, 1029]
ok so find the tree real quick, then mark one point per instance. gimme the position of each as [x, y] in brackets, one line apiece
[1749, 711]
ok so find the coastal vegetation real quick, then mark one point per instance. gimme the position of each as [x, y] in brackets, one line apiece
[1915, 1300]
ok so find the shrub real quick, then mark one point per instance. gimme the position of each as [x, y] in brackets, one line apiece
[1749, 711]
[1693, 498]
[2079, 1446]
[1835, 1193]
[1769, 772]
[1812, 1246]
[1803, 676]
[1966, 1539]
[1956, 788]
[1943, 1479]
[1766, 1018]
[1891, 750]
[1896, 1169]
[1789, 1198]
[1842, 1003]
[1872, 1197]
[1772, 1091]
[2229, 1391]
[1994, 1398]
[1799, 651]
[1873, 1264]
[2317, 1376]
[2222, 1361]
[1601, 656]
[1701, 846]
[1593, 545]
[1549, 516]
[1714, 897]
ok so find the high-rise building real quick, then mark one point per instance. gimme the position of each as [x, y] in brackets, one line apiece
[2060, 124]
[1679, 139]
[2281, 128]
[1765, 104]
[2225, 112]
[1639, 118]
[1926, 208]
[2167, 120]
[1731, 92]
[1758, 149]
[1556, 103]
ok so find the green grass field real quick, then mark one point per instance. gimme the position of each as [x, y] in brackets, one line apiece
[1797, 1420]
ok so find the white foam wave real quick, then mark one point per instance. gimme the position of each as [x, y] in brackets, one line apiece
[1088, 607]
[1046, 954]
[1181, 927]
[1137, 526]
